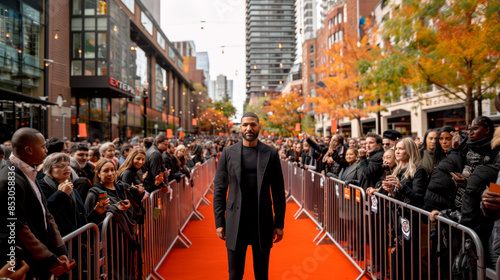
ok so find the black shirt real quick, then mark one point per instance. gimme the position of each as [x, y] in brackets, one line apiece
[248, 231]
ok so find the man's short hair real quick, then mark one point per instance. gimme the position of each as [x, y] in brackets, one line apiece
[54, 145]
[251, 115]
[79, 147]
[160, 138]
[125, 148]
[377, 137]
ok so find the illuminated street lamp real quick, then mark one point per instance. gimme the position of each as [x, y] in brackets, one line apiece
[145, 96]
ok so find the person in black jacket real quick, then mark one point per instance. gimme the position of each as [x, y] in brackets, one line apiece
[130, 171]
[35, 227]
[81, 164]
[371, 168]
[171, 163]
[155, 166]
[63, 202]
[196, 157]
[427, 150]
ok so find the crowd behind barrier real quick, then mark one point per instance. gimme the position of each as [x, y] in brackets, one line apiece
[110, 254]
[362, 227]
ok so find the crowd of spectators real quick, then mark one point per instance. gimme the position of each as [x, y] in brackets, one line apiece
[59, 186]
[446, 173]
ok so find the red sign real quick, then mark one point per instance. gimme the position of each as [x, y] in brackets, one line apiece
[121, 85]
[181, 135]
[347, 193]
[82, 130]
[297, 127]
[333, 128]
[195, 122]
[358, 196]
[169, 133]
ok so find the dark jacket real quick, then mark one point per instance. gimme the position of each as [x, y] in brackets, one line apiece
[191, 163]
[171, 163]
[68, 210]
[87, 171]
[154, 165]
[441, 192]
[130, 176]
[353, 174]
[412, 189]
[41, 245]
[270, 192]
[371, 168]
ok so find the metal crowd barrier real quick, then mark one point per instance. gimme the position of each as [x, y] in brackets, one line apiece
[344, 220]
[109, 254]
[83, 246]
[403, 234]
[385, 238]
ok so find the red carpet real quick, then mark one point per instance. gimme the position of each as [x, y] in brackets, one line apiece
[295, 257]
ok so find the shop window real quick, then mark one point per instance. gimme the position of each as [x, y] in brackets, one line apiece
[102, 23]
[76, 24]
[101, 45]
[89, 45]
[147, 23]
[90, 24]
[76, 49]
[102, 68]
[130, 4]
[90, 68]
[77, 7]
[76, 68]
[90, 7]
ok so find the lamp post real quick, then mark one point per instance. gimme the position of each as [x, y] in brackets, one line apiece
[145, 104]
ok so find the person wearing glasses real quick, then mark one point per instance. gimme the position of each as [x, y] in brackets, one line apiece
[389, 138]
[63, 203]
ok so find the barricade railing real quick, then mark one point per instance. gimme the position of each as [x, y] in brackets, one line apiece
[345, 221]
[109, 253]
[369, 239]
[407, 245]
[313, 198]
[296, 181]
[83, 247]
[286, 174]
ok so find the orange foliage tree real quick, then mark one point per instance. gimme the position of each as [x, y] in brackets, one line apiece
[453, 45]
[342, 94]
[212, 120]
[283, 112]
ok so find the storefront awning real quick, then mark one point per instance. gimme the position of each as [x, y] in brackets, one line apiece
[9, 95]
[398, 113]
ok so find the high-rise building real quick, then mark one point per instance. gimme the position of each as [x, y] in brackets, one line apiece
[270, 45]
[202, 62]
[223, 87]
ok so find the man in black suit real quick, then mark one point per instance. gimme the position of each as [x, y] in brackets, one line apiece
[35, 229]
[244, 214]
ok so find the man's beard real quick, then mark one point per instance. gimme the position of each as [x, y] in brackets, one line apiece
[250, 139]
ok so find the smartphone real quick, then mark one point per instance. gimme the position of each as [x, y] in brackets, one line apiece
[494, 188]
[103, 195]
[19, 257]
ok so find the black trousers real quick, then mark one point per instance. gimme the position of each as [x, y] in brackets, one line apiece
[236, 262]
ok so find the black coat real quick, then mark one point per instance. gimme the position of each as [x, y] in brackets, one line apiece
[171, 163]
[154, 165]
[441, 192]
[371, 168]
[271, 210]
[412, 189]
[68, 210]
[41, 245]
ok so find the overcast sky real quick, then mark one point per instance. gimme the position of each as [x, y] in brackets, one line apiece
[224, 25]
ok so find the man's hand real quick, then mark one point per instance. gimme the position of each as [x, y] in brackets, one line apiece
[19, 274]
[278, 235]
[62, 266]
[305, 135]
[221, 233]
[362, 152]
[491, 200]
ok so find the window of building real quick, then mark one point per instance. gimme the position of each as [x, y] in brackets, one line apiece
[311, 63]
[179, 63]
[341, 38]
[161, 86]
[171, 52]
[340, 18]
[312, 78]
[130, 4]
[311, 48]
[160, 40]
[77, 7]
[147, 23]
[90, 7]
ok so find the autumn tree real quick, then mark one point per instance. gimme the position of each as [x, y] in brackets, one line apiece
[225, 106]
[283, 112]
[212, 120]
[343, 94]
[451, 44]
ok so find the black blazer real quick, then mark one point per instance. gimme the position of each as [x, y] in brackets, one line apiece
[270, 182]
[41, 246]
